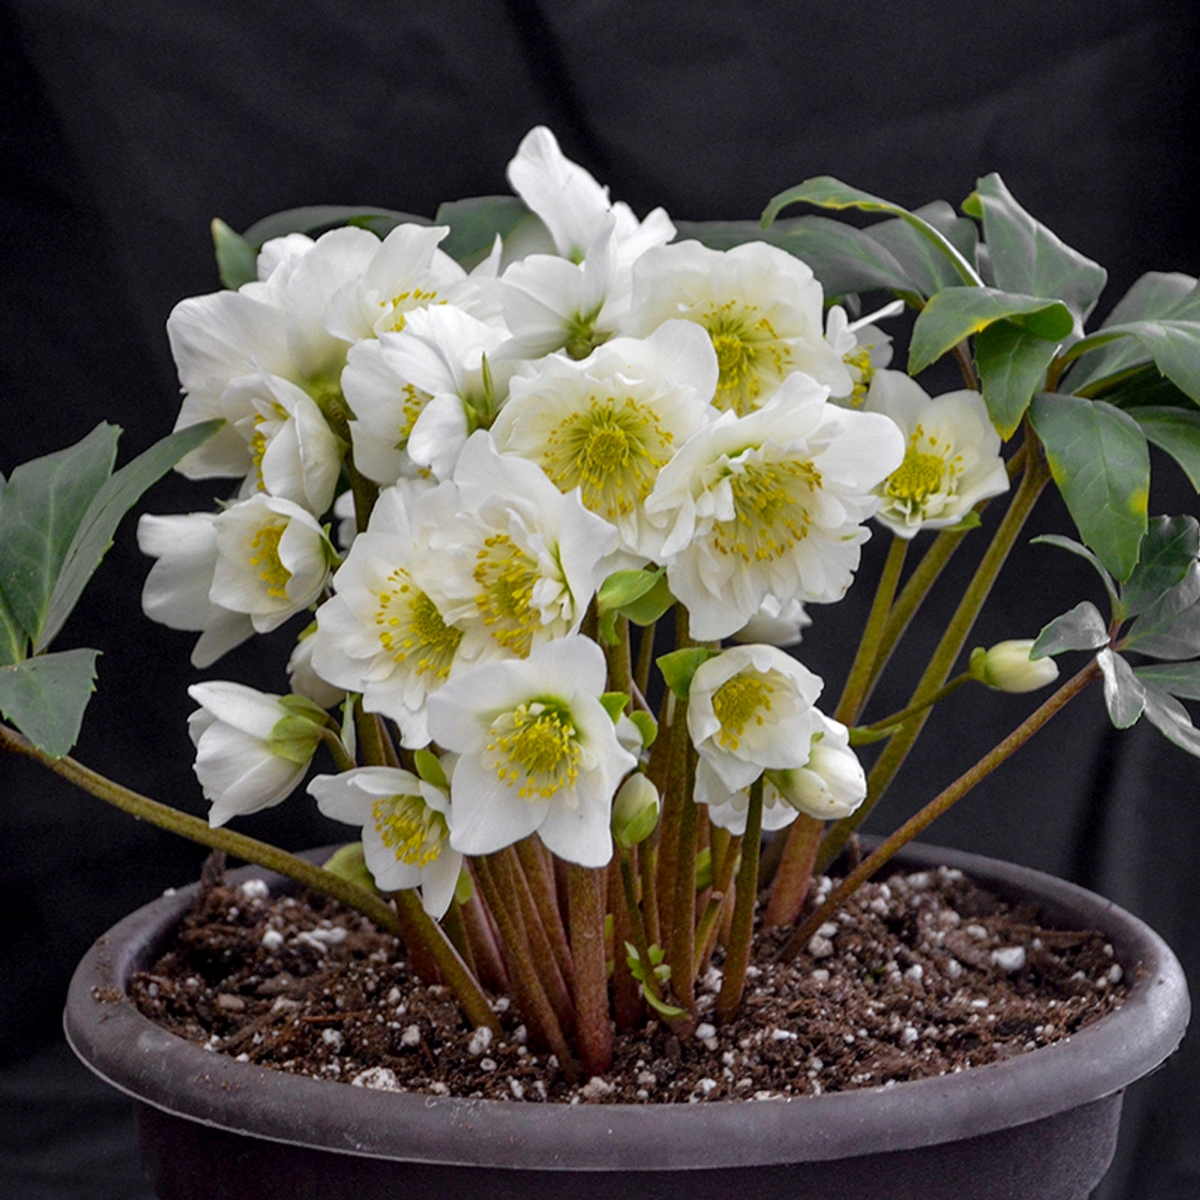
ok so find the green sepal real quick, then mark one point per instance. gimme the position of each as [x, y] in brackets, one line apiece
[647, 726]
[614, 704]
[237, 260]
[464, 888]
[45, 697]
[349, 863]
[968, 521]
[679, 666]
[429, 768]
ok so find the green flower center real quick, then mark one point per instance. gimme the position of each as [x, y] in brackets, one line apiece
[410, 627]
[410, 828]
[535, 749]
[737, 702]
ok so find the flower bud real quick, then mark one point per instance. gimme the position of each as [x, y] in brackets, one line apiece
[303, 677]
[832, 783]
[635, 811]
[1008, 667]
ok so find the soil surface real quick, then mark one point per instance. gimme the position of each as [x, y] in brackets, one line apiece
[917, 976]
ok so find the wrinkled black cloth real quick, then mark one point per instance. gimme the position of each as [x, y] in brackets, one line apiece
[128, 126]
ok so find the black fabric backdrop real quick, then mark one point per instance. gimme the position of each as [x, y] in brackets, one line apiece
[127, 127]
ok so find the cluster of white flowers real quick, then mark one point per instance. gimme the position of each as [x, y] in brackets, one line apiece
[601, 399]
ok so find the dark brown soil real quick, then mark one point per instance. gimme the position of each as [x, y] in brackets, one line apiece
[922, 975]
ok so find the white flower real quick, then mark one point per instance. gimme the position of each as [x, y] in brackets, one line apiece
[405, 833]
[539, 752]
[381, 634]
[405, 272]
[728, 807]
[762, 309]
[832, 783]
[749, 710]
[864, 347]
[951, 459]
[304, 679]
[573, 206]
[274, 326]
[272, 560]
[771, 504]
[294, 453]
[177, 589]
[775, 624]
[252, 748]
[608, 424]
[518, 562]
[1007, 667]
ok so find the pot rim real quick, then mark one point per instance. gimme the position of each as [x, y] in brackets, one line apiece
[138, 1057]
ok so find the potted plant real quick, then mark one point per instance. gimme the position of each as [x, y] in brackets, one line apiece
[545, 431]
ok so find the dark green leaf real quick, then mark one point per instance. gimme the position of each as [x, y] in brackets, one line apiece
[827, 192]
[237, 260]
[1168, 550]
[317, 219]
[1178, 678]
[679, 666]
[45, 697]
[926, 267]
[1155, 295]
[1101, 463]
[44, 502]
[1138, 387]
[1083, 628]
[956, 313]
[95, 532]
[1170, 627]
[1171, 719]
[1124, 694]
[1026, 257]
[623, 587]
[845, 260]
[474, 224]
[1174, 345]
[1175, 431]
[1012, 366]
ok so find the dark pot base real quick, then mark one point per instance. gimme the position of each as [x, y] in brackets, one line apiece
[1039, 1126]
[1061, 1158]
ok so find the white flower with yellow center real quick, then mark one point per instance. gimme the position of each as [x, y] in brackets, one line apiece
[295, 455]
[771, 504]
[538, 753]
[863, 346]
[762, 309]
[750, 710]
[177, 589]
[405, 272]
[380, 633]
[951, 458]
[609, 424]
[405, 834]
[272, 560]
[519, 562]
[252, 748]
[273, 326]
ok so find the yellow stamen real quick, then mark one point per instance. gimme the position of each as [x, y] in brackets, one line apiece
[535, 749]
[408, 827]
[506, 576]
[749, 351]
[770, 517]
[264, 554]
[410, 627]
[737, 702]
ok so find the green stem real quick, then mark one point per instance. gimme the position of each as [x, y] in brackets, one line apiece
[645, 657]
[374, 739]
[737, 953]
[682, 927]
[938, 805]
[912, 710]
[722, 880]
[620, 665]
[862, 672]
[1035, 478]
[593, 1024]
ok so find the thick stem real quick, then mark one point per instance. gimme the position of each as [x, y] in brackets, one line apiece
[374, 740]
[1035, 478]
[620, 665]
[795, 873]
[707, 927]
[682, 928]
[645, 657]
[938, 805]
[737, 953]
[627, 1000]
[912, 710]
[539, 875]
[481, 937]
[593, 1024]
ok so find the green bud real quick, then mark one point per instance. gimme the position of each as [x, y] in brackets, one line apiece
[1007, 667]
[635, 811]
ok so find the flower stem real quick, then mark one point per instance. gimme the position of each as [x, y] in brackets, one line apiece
[737, 953]
[906, 714]
[539, 877]
[682, 927]
[645, 657]
[794, 875]
[938, 805]
[627, 999]
[593, 1025]
[706, 930]
[1035, 478]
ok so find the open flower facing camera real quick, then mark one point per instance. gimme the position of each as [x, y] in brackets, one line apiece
[501, 484]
